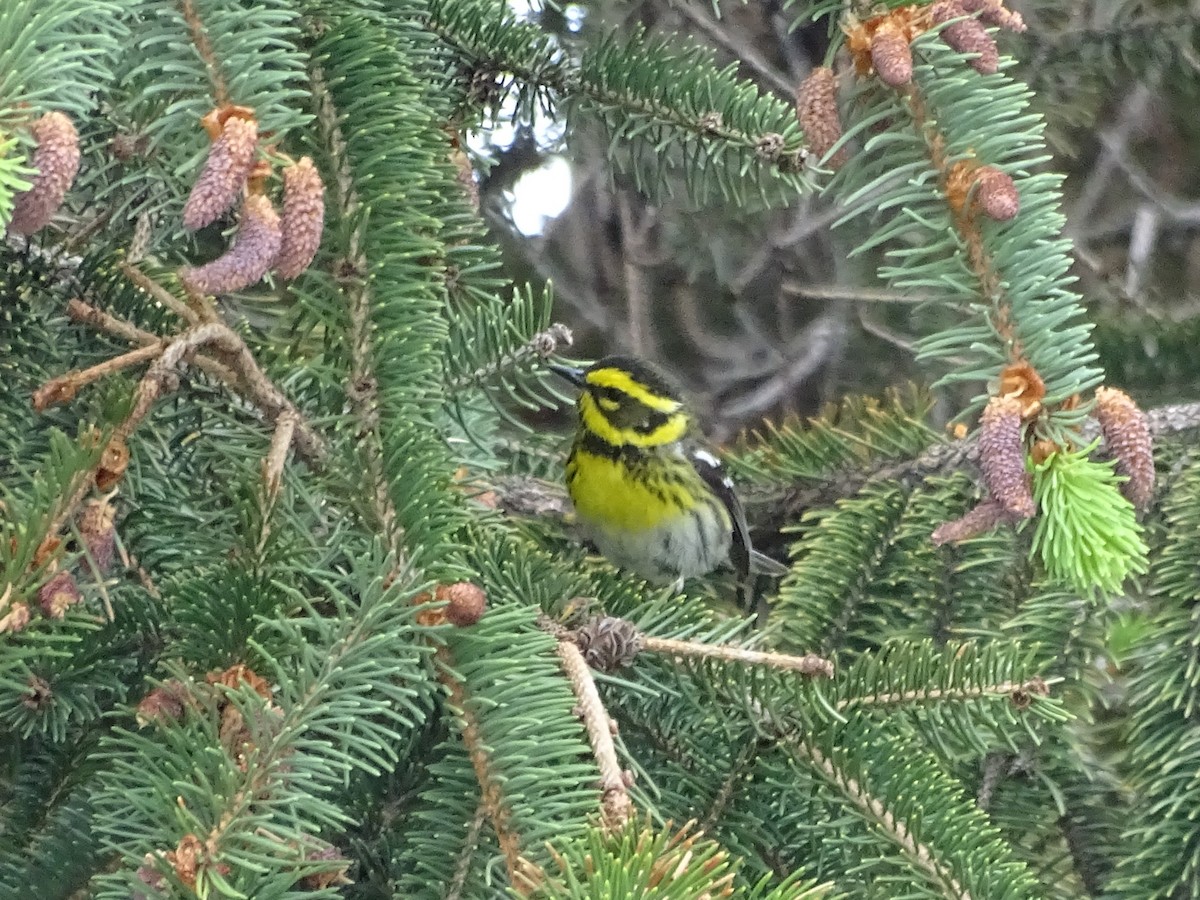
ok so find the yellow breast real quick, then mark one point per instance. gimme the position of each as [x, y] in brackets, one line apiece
[606, 494]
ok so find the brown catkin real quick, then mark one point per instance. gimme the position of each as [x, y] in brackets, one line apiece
[1126, 431]
[996, 194]
[225, 171]
[1002, 456]
[56, 159]
[816, 108]
[302, 219]
[254, 250]
[967, 36]
[891, 56]
[994, 13]
[980, 520]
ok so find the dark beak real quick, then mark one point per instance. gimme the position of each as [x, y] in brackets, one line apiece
[573, 375]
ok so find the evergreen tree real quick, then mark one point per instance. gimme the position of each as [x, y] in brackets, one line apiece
[290, 603]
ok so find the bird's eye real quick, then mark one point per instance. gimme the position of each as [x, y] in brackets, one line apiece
[609, 399]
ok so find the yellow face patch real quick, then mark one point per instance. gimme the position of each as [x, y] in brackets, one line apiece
[622, 381]
[594, 420]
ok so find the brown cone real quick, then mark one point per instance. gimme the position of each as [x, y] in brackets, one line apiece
[255, 248]
[1002, 456]
[303, 218]
[891, 56]
[225, 171]
[1126, 431]
[57, 162]
[967, 36]
[816, 108]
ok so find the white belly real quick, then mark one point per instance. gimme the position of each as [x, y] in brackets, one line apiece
[681, 548]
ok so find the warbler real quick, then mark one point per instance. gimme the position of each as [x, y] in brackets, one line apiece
[647, 491]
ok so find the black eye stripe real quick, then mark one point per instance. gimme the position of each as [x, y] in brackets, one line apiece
[654, 421]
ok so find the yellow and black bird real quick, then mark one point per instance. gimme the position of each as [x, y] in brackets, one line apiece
[647, 492]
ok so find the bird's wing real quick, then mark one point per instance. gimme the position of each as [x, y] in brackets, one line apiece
[709, 468]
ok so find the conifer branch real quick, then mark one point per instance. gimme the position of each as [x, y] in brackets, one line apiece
[470, 844]
[491, 791]
[86, 314]
[1021, 693]
[810, 664]
[362, 390]
[874, 809]
[616, 806]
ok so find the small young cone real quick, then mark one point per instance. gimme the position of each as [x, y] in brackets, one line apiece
[467, 603]
[57, 162]
[996, 194]
[994, 13]
[225, 171]
[303, 218]
[1002, 456]
[967, 36]
[254, 250]
[58, 595]
[15, 619]
[1126, 431]
[99, 534]
[891, 56]
[816, 108]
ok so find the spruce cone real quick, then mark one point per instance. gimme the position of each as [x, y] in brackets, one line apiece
[891, 56]
[994, 13]
[467, 603]
[57, 162]
[303, 218]
[166, 703]
[254, 249]
[980, 520]
[225, 171]
[967, 36]
[816, 108]
[1002, 456]
[1126, 431]
[58, 595]
[608, 643]
[996, 194]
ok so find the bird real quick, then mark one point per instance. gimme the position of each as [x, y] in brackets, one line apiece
[648, 492]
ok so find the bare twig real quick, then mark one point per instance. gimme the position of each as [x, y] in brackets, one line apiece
[615, 803]
[743, 51]
[809, 664]
[281, 441]
[85, 314]
[159, 293]
[64, 387]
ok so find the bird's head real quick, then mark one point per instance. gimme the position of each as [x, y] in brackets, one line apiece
[627, 401]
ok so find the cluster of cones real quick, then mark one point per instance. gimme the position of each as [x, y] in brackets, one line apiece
[883, 45]
[1002, 453]
[265, 240]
